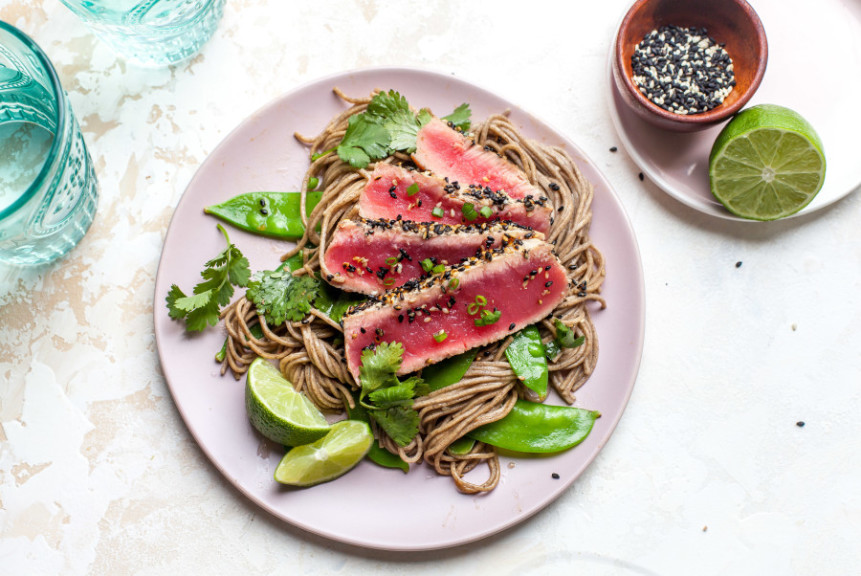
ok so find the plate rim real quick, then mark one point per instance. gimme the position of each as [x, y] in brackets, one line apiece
[638, 301]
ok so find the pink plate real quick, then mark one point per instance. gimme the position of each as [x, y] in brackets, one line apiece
[372, 506]
[818, 78]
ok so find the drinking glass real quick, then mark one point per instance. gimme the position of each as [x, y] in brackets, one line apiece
[151, 32]
[48, 188]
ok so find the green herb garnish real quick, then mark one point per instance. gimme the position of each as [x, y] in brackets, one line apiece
[486, 211]
[389, 400]
[220, 275]
[280, 296]
[438, 212]
[387, 126]
[440, 336]
[413, 189]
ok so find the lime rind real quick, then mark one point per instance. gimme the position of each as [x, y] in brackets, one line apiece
[330, 457]
[767, 163]
[278, 411]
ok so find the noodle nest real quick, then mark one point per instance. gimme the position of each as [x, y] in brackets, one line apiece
[310, 353]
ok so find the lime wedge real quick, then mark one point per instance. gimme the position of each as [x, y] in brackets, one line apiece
[277, 410]
[329, 457]
[766, 163]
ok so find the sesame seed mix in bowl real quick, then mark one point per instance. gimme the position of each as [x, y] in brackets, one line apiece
[682, 70]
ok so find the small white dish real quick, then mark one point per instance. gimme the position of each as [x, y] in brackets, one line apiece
[817, 75]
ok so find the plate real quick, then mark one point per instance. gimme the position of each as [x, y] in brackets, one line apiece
[817, 77]
[371, 506]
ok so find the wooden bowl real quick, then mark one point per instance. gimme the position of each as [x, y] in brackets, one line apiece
[731, 22]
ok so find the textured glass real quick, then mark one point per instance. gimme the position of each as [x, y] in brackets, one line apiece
[151, 32]
[48, 188]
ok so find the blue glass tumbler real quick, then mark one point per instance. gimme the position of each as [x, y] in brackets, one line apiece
[151, 32]
[48, 188]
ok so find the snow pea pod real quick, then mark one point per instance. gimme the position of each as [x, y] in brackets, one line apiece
[274, 214]
[527, 358]
[448, 371]
[538, 428]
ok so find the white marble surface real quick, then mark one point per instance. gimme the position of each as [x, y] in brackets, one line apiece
[707, 473]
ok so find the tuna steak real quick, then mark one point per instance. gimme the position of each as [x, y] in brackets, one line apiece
[394, 192]
[447, 152]
[372, 256]
[502, 290]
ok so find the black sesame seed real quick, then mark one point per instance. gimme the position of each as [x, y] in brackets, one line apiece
[264, 211]
[613, 149]
[800, 424]
[555, 476]
[263, 201]
[641, 176]
[738, 264]
[511, 326]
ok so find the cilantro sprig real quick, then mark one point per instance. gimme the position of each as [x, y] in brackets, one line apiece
[388, 399]
[221, 274]
[387, 126]
[280, 296]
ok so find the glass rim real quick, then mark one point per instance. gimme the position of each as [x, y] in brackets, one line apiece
[60, 98]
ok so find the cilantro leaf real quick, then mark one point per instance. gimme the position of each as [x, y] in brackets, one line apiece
[460, 118]
[398, 395]
[388, 125]
[389, 400]
[389, 103]
[282, 297]
[173, 295]
[220, 274]
[365, 140]
[379, 366]
[400, 423]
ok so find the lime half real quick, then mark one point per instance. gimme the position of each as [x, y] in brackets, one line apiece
[767, 163]
[277, 410]
[329, 457]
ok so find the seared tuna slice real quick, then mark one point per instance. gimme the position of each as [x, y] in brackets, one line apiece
[480, 301]
[447, 152]
[394, 192]
[372, 256]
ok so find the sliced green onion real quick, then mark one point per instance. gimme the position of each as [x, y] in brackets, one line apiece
[488, 318]
[437, 212]
[486, 211]
[413, 189]
[319, 155]
[389, 281]
[472, 308]
[480, 300]
[454, 283]
[391, 261]
[438, 269]
[469, 211]
[552, 349]
[427, 264]
[440, 336]
[565, 336]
